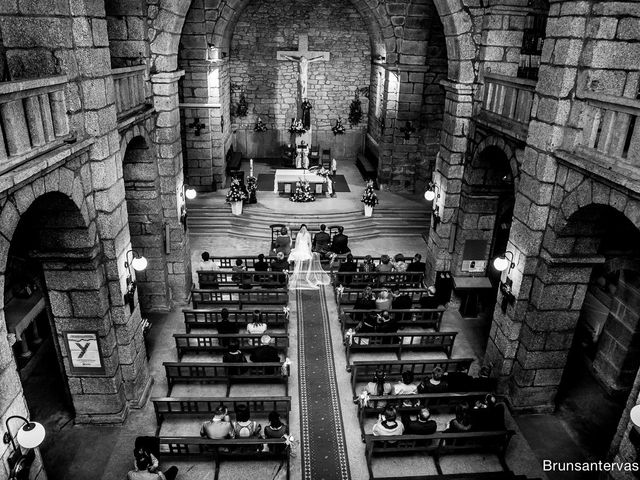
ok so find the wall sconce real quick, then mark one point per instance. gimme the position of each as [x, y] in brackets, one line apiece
[30, 436]
[634, 433]
[408, 129]
[432, 193]
[197, 126]
[504, 262]
[188, 193]
[139, 263]
[213, 53]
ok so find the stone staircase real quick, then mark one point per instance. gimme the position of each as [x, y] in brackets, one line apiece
[254, 222]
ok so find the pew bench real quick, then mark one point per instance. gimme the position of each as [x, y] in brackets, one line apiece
[415, 318]
[239, 297]
[214, 279]
[203, 408]
[227, 373]
[378, 279]
[217, 343]
[399, 342]
[363, 371]
[438, 445]
[349, 296]
[209, 318]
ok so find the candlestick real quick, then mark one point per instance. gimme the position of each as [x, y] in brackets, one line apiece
[251, 167]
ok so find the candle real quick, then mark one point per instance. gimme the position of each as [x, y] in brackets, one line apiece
[251, 167]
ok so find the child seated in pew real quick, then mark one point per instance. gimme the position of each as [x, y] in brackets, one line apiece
[219, 426]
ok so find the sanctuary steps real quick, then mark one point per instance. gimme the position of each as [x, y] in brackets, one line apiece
[255, 220]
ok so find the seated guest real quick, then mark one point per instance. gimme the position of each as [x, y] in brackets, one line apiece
[225, 327]
[383, 302]
[261, 266]
[234, 355]
[487, 415]
[430, 300]
[405, 386]
[388, 424]
[459, 381]
[265, 352]
[340, 242]
[367, 325]
[461, 423]
[383, 267]
[275, 429]
[417, 265]
[401, 301]
[239, 274]
[434, 383]
[243, 426]
[283, 242]
[422, 425]
[367, 266]
[385, 323]
[321, 240]
[366, 300]
[206, 263]
[484, 383]
[347, 266]
[219, 426]
[145, 468]
[399, 265]
[257, 326]
[280, 264]
[378, 387]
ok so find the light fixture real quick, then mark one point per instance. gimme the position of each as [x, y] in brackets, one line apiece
[30, 436]
[503, 262]
[634, 433]
[432, 192]
[139, 263]
[214, 53]
[190, 193]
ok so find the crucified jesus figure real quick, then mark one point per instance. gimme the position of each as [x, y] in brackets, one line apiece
[303, 65]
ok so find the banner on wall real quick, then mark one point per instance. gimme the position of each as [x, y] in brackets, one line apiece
[85, 356]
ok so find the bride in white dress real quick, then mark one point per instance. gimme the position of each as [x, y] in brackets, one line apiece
[308, 273]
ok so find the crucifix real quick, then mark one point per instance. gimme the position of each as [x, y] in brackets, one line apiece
[304, 57]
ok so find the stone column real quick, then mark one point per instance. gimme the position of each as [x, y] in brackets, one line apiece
[169, 148]
[448, 174]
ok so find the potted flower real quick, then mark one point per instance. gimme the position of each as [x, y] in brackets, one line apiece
[296, 127]
[369, 198]
[235, 196]
[260, 126]
[338, 128]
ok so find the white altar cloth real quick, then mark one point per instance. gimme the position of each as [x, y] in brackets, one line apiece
[292, 175]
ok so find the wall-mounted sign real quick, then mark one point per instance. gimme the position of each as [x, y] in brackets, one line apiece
[85, 356]
[474, 256]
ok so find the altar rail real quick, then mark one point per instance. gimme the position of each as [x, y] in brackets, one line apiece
[507, 104]
[610, 128]
[129, 88]
[33, 119]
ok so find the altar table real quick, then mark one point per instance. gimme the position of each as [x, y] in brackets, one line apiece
[285, 180]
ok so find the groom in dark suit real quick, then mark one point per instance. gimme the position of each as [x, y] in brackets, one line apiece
[340, 242]
[321, 241]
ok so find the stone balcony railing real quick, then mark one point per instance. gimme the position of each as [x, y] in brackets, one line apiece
[129, 90]
[33, 119]
[506, 105]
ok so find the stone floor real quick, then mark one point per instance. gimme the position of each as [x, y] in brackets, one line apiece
[81, 452]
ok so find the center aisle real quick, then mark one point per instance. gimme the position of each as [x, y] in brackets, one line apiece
[324, 453]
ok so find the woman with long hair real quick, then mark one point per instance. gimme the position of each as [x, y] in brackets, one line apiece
[308, 273]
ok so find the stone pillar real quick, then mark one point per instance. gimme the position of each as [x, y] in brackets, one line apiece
[502, 38]
[448, 174]
[169, 149]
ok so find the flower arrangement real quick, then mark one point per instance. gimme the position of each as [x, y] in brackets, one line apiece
[252, 187]
[338, 128]
[235, 193]
[369, 196]
[260, 126]
[243, 108]
[355, 110]
[320, 170]
[297, 128]
[303, 192]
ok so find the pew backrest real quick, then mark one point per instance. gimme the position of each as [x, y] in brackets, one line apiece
[349, 296]
[416, 317]
[206, 318]
[239, 297]
[378, 279]
[217, 343]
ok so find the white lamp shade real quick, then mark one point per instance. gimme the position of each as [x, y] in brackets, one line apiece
[190, 193]
[30, 435]
[501, 263]
[139, 263]
[635, 415]
[429, 195]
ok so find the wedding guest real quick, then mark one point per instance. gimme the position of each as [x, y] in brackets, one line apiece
[234, 355]
[405, 386]
[379, 386]
[219, 426]
[240, 274]
[399, 265]
[244, 427]
[383, 302]
[434, 384]
[321, 241]
[206, 263]
[417, 265]
[388, 424]
[225, 327]
[348, 266]
[384, 267]
[280, 264]
[261, 266]
[257, 326]
[366, 300]
[340, 242]
[462, 421]
[430, 300]
[401, 301]
[422, 425]
[367, 266]
[283, 242]
[275, 429]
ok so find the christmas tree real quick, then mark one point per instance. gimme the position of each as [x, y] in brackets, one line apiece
[369, 196]
[303, 193]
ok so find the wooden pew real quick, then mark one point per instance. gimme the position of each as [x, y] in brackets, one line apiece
[400, 342]
[439, 444]
[217, 343]
[435, 402]
[349, 296]
[224, 450]
[214, 279]
[209, 318]
[416, 318]
[204, 407]
[239, 297]
[218, 372]
[362, 372]
[378, 279]
[249, 261]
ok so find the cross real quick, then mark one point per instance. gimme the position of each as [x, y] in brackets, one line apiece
[304, 57]
[197, 126]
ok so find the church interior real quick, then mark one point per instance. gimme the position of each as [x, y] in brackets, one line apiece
[475, 162]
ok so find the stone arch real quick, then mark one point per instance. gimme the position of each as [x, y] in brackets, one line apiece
[506, 147]
[167, 19]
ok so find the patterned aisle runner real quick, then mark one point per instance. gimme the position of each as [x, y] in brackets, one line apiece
[324, 453]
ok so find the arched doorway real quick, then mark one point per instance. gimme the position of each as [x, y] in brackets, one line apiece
[144, 210]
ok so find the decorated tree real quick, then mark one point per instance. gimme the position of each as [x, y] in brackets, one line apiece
[243, 108]
[355, 111]
[369, 196]
[303, 193]
[236, 193]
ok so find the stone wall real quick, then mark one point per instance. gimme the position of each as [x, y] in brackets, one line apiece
[127, 30]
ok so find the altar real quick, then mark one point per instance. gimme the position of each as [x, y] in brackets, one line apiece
[285, 181]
